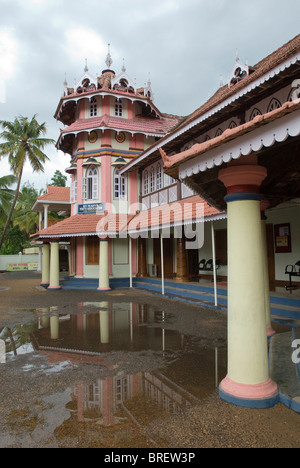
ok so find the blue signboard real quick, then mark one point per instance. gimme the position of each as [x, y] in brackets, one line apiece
[91, 208]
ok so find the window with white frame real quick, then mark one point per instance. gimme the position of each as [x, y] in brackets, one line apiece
[120, 186]
[93, 107]
[118, 108]
[146, 182]
[90, 184]
[73, 190]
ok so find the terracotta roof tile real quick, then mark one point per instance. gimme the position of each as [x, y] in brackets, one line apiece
[137, 124]
[93, 224]
[56, 194]
[182, 211]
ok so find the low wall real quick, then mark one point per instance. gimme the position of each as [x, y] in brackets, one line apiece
[19, 262]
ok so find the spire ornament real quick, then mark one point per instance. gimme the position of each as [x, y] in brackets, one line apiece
[108, 60]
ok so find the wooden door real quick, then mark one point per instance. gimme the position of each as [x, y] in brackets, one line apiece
[168, 257]
[92, 250]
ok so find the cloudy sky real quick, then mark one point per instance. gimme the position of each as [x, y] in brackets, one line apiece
[185, 46]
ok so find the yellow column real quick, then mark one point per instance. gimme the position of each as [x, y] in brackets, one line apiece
[54, 267]
[247, 382]
[103, 266]
[45, 266]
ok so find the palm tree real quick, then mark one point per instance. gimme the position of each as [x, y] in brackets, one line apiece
[22, 142]
[23, 216]
[6, 195]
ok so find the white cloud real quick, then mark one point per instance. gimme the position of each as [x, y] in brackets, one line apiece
[83, 43]
[8, 53]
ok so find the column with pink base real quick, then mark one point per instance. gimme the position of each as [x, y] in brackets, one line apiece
[248, 382]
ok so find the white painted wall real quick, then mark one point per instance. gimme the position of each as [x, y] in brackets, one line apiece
[5, 259]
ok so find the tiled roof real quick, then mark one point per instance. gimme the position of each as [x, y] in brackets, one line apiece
[260, 69]
[183, 211]
[56, 194]
[171, 162]
[176, 213]
[218, 100]
[137, 124]
[90, 224]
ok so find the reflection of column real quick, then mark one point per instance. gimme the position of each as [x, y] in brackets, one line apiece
[54, 267]
[45, 266]
[104, 323]
[142, 258]
[45, 319]
[103, 266]
[247, 382]
[54, 327]
[181, 273]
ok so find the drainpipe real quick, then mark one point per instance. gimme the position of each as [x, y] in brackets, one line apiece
[214, 262]
[162, 264]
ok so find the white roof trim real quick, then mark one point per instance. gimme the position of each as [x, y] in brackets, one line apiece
[265, 136]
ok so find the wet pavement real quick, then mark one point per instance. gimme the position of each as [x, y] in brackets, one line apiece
[121, 369]
[104, 402]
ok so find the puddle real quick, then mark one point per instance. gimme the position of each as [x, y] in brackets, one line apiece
[99, 374]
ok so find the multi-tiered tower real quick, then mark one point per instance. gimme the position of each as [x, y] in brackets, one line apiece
[108, 122]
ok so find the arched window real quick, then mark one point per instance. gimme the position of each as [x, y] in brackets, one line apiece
[274, 104]
[120, 185]
[145, 182]
[93, 107]
[90, 184]
[118, 108]
[158, 177]
[254, 114]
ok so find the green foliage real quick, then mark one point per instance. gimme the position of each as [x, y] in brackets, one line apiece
[22, 141]
[14, 242]
[58, 179]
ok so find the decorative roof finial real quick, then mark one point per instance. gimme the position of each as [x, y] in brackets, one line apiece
[86, 67]
[65, 82]
[123, 68]
[108, 60]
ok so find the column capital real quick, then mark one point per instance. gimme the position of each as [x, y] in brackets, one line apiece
[246, 178]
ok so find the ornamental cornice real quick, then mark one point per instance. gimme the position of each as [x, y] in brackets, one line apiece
[263, 137]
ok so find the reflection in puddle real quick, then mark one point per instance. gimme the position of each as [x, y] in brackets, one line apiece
[111, 410]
